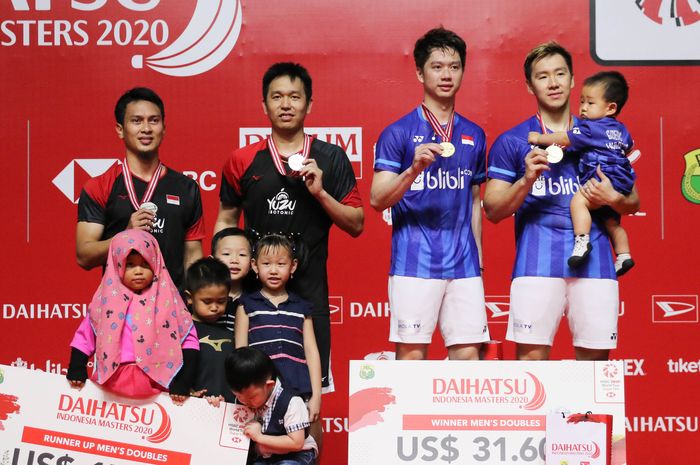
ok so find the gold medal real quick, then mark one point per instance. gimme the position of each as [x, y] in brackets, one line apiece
[554, 154]
[445, 134]
[447, 149]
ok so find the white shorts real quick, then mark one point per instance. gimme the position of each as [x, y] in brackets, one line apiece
[538, 303]
[418, 304]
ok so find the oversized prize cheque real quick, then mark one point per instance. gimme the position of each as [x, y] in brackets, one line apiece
[471, 412]
[44, 421]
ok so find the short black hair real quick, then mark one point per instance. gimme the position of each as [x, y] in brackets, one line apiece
[440, 39]
[207, 271]
[615, 85]
[544, 50]
[293, 71]
[133, 95]
[247, 366]
[226, 232]
[273, 241]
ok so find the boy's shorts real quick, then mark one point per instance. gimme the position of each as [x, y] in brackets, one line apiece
[538, 303]
[418, 304]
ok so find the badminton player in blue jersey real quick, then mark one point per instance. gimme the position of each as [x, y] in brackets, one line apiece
[604, 143]
[428, 168]
[524, 183]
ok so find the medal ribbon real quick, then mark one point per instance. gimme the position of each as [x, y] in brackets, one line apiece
[128, 180]
[277, 158]
[445, 134]
[543, 128]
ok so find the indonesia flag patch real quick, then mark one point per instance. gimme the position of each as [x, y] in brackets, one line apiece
[468, 140]
[172, 199]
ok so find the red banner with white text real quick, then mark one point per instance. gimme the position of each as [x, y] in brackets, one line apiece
[65, 63]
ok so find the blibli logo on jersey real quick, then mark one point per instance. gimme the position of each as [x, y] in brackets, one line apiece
[442, 179]
[558, 186]
[281, 204]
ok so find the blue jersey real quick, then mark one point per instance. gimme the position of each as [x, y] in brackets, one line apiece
[604, 142]
[544, 234]
[432, 234]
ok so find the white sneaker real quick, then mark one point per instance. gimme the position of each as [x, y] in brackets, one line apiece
[582, 247]
[623, 263]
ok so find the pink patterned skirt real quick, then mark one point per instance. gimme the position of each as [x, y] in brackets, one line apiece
[130, 381]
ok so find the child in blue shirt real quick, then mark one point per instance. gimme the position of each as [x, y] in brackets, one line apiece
[279, 322]
[604, 144]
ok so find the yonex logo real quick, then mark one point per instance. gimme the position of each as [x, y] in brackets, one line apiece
[674, 308]
[632, 366]
[417, 139]
[71, 179]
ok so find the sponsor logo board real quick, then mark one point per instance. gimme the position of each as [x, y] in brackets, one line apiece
[690, 181]
[335, 304]
[674, 308]
[645, 32]
[210, 35]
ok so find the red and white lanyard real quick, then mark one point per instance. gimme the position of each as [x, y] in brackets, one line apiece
[544, 128]
[129, 182]
[445, 134]
[277, 158]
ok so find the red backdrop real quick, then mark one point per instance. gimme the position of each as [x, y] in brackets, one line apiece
[65, 63]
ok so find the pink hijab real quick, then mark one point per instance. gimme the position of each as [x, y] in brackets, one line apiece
[159, 319]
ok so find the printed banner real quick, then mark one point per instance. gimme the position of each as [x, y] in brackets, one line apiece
[473, 412]
[68, 61]
[585, 438]
[44, 420]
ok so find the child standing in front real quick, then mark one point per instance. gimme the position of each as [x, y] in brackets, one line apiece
[207, 288]
[604, 144]
[137, 325]
[279, 429]
[279, 322]
[232, 247]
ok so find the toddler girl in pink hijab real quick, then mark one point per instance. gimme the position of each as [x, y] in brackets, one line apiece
[137, 326]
